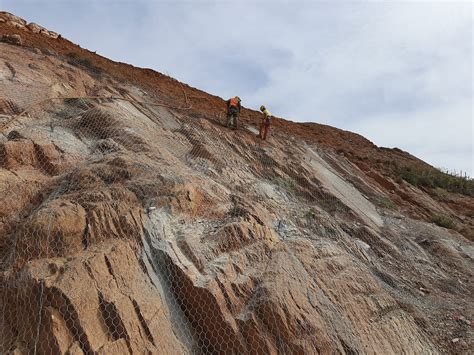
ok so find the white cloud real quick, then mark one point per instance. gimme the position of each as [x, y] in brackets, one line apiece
[398, 72]
[442, 136]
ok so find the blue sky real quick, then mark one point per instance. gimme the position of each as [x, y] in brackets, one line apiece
[399, 73]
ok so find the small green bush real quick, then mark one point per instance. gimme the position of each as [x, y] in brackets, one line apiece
[443, 221]
[311, 214]
[287, 184]
[440, 193]
[386, 203]
[78, 61]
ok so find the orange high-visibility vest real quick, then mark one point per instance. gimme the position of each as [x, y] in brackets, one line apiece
[234, 102]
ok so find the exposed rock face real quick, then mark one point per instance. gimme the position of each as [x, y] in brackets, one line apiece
[21, 24]
[134, 228]
[100, 301]
[13, 39]
[33, 27]
[12, 20]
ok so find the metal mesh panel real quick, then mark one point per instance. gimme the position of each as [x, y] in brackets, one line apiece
[133, 222]
[132, 213]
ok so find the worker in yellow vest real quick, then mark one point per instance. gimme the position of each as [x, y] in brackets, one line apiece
[265, 123]
[233, 110]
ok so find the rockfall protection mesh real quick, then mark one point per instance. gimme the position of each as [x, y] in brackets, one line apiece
[102, 195]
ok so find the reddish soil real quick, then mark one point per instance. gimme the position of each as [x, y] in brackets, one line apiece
[164, 89]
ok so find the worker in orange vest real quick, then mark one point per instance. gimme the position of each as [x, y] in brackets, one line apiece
[233, 110]
[265, 123]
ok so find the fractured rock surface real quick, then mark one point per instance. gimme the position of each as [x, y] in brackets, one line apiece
[131, 227]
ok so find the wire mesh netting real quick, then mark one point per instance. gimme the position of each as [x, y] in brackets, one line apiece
[129, 226]
[133, 227]
[134, 220]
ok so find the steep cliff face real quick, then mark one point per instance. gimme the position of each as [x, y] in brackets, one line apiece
[133, 221]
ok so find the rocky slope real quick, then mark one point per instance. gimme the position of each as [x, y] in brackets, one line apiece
[132, 221]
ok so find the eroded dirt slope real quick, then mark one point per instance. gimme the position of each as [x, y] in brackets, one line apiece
[133, 221]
